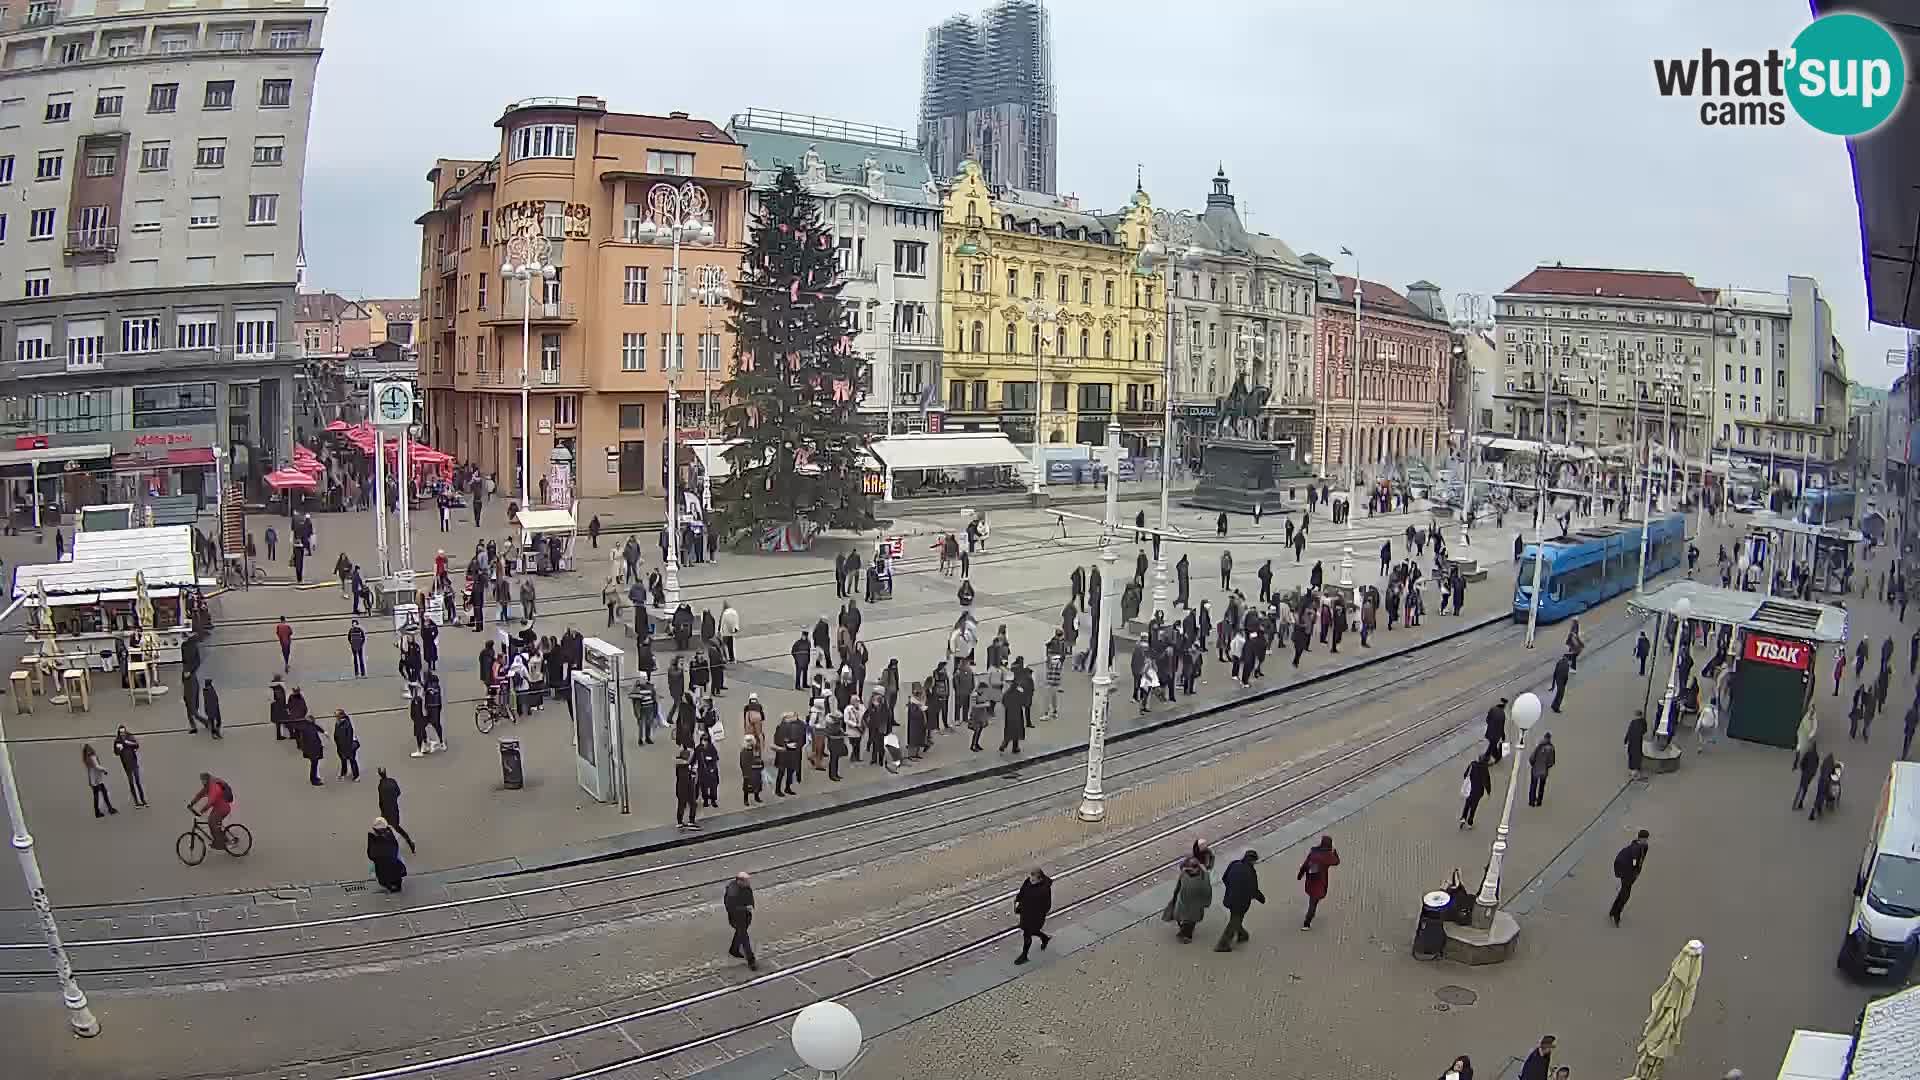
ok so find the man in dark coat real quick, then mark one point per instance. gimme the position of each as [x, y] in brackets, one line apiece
[1627, 864]
[1180, 571]
[1240, 887]
[1562, 671]
[801, 652]
[1539, 1064]
[739, 904]
[1496, 729]
[1031, 906]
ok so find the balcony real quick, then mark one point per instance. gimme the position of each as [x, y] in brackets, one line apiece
[867, 272]
[920, 339]
[549, 376]
[97, 240]
[559, 312]
[85, 362]
[448, 262]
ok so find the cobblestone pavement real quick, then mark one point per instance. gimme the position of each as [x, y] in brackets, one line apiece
[454, 803]
[1731, 863]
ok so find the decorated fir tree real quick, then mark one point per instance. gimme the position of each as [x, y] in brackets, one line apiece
[794, 390]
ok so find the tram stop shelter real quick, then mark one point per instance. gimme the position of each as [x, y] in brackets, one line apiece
[1827, 550]
[1771, 642]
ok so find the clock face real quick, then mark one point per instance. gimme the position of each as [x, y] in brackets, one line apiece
[395, 403]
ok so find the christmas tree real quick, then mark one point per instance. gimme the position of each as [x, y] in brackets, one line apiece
[794, 389]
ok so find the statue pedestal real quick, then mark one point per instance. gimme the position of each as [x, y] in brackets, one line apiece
[1242, 474]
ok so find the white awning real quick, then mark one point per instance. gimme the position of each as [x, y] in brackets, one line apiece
[957, 450]
[106, 561]
[546, 521]
[56, 453]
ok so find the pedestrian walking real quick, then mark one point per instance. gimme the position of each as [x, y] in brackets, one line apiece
[1313, 876]
[1226, 564]
[210, 707]
[1641, 648]
[1906, 739]
[1808, 762]
[1031, 906]
[96, 780]
[686, 810]
[1636, 745]
[357, 643]
[1562, 672]
[1827, 787]
[383, 851]
[346, 744]
[1192, 892]
[1496, 731]
[284, 632]
[738, 901]
[1539, 764]
[1239, 888]
[1473, 787]
[1539, 1063]
[387, 792]
[1627, 864]
[127, 749]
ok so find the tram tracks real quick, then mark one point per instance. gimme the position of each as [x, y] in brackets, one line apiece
[927, 822]
[571, 1049]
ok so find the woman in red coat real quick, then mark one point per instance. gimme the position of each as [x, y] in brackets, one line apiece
[1313, 876]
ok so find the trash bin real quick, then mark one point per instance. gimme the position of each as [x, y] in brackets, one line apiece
[510, 773]
[1430, 933]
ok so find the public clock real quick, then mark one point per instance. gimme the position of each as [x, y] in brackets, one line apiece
[393, 404]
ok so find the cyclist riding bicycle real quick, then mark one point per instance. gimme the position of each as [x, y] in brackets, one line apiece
[219, 799]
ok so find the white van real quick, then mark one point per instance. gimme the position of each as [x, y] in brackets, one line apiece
[1884, 932]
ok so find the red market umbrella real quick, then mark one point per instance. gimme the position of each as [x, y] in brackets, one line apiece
[311, 468]
[290, 479]
[337, 426]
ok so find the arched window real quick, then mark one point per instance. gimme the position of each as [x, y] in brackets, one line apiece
[1036, 339]
[1149, 347]
[1085, 337]
[973, 209]
[1106, 344]
[1010, 348]
[1060, 340]
[979, 337]
[1136, 350]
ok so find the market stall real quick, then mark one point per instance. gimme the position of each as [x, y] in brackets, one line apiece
[543, 533]
[116, 583]
[1771, 644]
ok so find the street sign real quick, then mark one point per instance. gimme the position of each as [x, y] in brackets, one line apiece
[896, 547]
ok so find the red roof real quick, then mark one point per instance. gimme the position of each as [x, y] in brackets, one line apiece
[1663, 285]
[676, 126]
[1380, 298]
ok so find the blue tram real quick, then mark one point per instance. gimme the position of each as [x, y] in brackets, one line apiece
[1594, 565]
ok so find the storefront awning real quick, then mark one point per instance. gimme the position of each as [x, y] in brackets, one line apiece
[61, 454]
[951, 450]
[546, 521]
[1748, 610]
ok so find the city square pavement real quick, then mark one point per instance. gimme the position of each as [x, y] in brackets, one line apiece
[1766, 890]
[455, 805]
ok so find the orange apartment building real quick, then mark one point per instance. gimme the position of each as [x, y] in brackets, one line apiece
[596, 344]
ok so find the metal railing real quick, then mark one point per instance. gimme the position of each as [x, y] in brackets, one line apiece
[97, 238]
[448, 262]
[918, 340]
[823, 127]
[549, 376]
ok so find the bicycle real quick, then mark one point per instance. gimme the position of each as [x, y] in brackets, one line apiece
[192, 845]
[489, 711]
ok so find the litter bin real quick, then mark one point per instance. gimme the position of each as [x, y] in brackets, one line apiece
[510, 773]
[1430, 933]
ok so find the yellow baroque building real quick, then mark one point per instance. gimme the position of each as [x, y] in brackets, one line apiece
[1048, 303]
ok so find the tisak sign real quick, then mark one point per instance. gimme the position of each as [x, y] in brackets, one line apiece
[1780, 652]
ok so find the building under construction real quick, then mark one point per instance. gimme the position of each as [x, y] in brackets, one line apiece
[988, 97]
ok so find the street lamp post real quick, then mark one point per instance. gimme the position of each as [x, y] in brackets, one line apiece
[1353, 443]
[1093, 800]
[1472, 451]
[1682, 610]
[1526, 713]
[1040, 314]
[1170, 243]
[80, 1016]
[529, 261]
[675, 216]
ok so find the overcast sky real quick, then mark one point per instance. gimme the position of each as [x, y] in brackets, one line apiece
[1461, 142]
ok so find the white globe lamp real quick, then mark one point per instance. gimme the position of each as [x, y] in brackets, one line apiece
[826, 1036]
[1526, 711]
